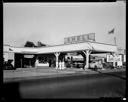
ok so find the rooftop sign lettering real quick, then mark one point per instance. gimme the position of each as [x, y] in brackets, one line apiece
[79, 38]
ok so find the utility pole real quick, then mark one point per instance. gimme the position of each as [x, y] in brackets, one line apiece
[115, 40]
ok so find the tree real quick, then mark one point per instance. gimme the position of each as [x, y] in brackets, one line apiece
[29, 44]
[40, 44]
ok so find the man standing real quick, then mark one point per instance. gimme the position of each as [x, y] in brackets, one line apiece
[50, 62]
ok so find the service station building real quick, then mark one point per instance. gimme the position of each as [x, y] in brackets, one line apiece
[66, 54]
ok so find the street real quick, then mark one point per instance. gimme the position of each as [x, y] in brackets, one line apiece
[71, 86]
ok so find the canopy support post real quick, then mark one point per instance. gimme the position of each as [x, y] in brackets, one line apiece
[57, 59]
[87, 53]
[114, 63]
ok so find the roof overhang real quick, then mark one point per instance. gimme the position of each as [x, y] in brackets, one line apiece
[104, 48]
[93, 46]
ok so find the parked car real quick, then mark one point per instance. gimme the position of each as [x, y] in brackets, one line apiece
[96, 65]
[108, 65]
[8, 66]
[78, 65]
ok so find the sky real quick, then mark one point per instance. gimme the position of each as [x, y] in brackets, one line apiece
[50, 23]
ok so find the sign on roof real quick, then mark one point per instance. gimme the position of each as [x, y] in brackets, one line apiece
[80, 38]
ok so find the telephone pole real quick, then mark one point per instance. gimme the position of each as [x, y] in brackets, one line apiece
[115, 40]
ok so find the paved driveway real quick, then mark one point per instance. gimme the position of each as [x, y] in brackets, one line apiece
[46, 71]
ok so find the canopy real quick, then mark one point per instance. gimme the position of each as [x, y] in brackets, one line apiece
[94, 46]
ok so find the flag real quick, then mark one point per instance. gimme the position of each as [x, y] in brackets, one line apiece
[10, 49]
[111, 32]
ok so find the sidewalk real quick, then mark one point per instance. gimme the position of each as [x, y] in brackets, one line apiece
[47, 72]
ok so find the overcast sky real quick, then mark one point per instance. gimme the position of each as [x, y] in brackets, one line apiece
[50, 23]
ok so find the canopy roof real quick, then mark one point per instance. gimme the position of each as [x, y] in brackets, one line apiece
[94, 46]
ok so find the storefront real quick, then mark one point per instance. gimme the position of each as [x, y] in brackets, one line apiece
[24, 60]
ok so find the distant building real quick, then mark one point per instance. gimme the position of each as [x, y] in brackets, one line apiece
[8, 53]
